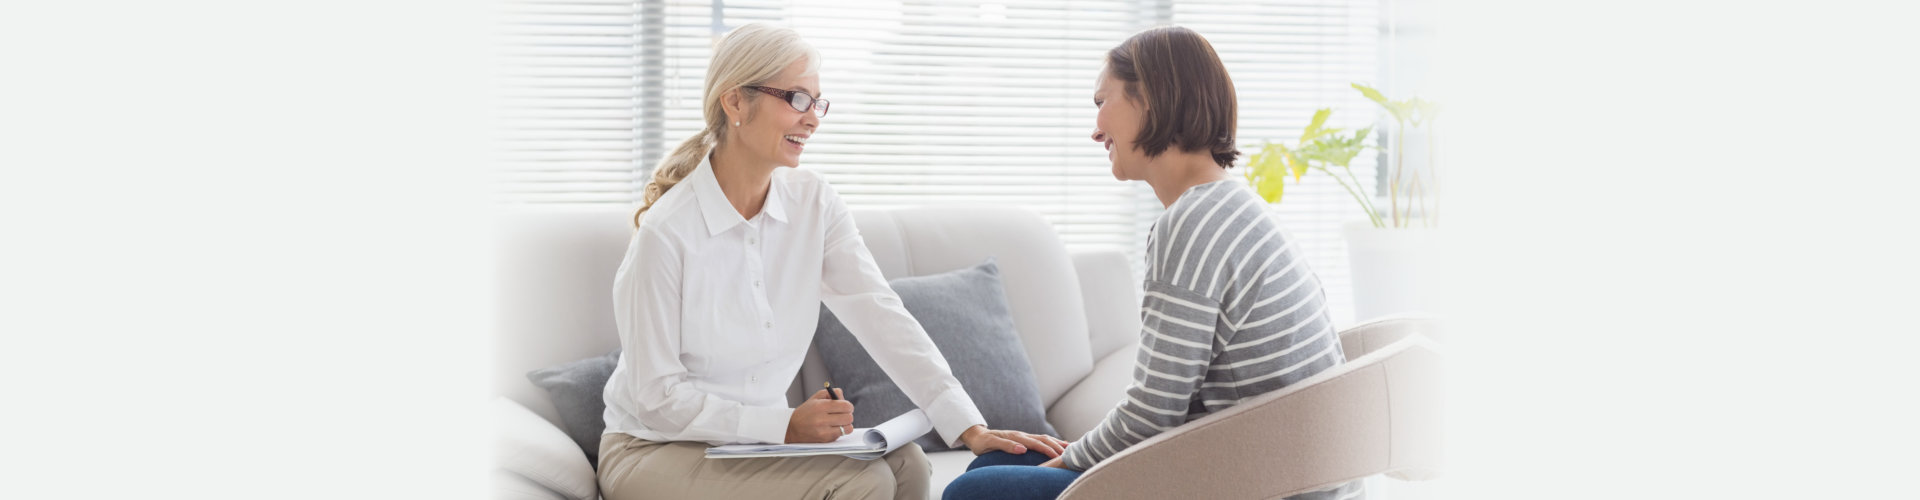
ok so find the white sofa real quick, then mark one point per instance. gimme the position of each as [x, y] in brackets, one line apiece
[1081, 309]
[1379, 413]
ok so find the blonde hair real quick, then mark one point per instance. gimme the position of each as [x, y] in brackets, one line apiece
[749, 55]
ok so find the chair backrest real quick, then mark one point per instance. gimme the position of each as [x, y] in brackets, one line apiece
[1358, 340]
[1379, 413]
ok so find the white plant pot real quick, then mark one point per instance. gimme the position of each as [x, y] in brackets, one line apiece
[1392, 269]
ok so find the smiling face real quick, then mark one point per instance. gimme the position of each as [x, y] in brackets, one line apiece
[1115, 126]
[770, 130]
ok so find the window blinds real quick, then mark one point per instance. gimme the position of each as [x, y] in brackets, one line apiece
[935, 102]
[945, 103]
[570, 101]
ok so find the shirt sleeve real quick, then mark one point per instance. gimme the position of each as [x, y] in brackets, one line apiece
[852, 287]
[646, 304]
[1176, 345]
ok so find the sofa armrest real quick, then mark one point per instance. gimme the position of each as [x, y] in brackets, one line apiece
[530, 447]
[1112, 299]
[1377, 414]
[1087, 403]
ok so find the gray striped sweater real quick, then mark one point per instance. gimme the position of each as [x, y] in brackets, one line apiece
[1231, 312]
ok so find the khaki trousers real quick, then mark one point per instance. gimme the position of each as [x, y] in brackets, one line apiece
[635, 469]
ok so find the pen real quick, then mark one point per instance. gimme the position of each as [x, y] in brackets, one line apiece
[829, 386]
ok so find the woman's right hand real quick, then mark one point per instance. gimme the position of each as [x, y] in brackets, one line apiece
[821, 419]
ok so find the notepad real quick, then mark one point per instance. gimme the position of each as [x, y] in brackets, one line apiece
[864, 443]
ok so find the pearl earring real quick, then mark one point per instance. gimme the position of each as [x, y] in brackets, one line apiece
[736, 124]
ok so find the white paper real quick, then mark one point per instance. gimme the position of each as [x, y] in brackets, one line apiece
[863, 443]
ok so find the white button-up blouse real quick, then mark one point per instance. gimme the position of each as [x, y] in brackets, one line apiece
[716, 312]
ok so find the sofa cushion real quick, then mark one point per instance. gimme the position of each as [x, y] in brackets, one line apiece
[576, 391]
[511, 486]
[1039, 278]
[530, 447]
[965, 313]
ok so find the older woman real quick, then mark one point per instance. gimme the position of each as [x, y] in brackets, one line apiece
[1231, 311]
[719, 294]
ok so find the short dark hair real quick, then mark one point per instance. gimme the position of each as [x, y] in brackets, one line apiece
[1189, 98]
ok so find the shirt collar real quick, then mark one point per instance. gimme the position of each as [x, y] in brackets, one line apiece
[715, 208]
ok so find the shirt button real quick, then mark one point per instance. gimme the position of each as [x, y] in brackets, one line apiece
[755, 378]
[751, 241]
[756, 284]
[769, 324]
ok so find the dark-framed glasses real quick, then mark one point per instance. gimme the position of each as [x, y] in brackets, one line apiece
[799, 100]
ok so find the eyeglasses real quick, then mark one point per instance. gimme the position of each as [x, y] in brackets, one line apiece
[799, 100]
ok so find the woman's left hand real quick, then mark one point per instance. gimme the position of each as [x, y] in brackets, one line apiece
[1055, 463]
[980, 439]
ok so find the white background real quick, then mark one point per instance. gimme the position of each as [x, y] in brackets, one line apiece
[242, 249]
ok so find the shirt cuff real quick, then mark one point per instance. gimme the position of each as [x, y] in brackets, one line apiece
[953, 413]
[1076, 457]
[760, 424]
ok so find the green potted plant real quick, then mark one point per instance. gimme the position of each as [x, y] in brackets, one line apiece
[1390, 252]
[1409, 196]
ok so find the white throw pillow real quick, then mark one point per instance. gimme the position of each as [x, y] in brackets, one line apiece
[511, 486]
[531, 447]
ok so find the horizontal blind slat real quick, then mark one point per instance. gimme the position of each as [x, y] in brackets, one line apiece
[937, 103]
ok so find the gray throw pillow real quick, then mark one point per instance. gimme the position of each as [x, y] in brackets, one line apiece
[966, 314]
[575, 389]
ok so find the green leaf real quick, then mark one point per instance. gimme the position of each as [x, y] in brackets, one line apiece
[1400, 111]
[1372, 95]
[1292, 163]
[1264, 171]
[1271, 190]
[1344, 156]
[1299, 168]
[1424, 111]
[1313, 128]
[1271, 186]
[1311, 151]
[1322, 133]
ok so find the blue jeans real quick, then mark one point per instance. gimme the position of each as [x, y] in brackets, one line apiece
[1002, 475]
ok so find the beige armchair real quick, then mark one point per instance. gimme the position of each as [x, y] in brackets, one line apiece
[1377, 414]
